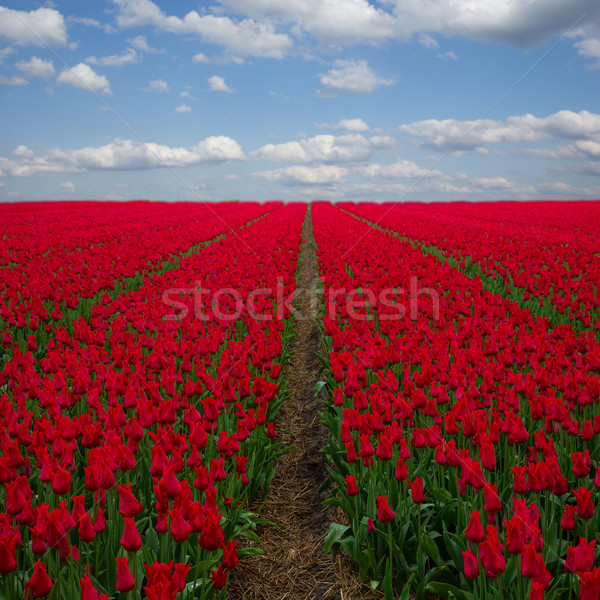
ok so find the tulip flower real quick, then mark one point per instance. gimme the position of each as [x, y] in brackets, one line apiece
[40, 584]
[384, 513]
[131, 539]
[125, 580]
[471, 565]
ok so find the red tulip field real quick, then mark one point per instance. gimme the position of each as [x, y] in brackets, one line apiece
[147, 351]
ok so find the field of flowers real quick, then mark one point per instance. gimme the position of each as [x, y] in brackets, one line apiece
[142, 367]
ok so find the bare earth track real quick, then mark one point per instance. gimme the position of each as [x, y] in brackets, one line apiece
[293, 565]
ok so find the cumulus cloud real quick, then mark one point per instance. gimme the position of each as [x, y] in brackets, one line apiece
[5, 53]
[359, 21]
[447, 56]
[120, 155]
[157, 85]
[469, 136]
[351, 76]
[427, 41]
[129, 57]
[14, 80]
[36, 27]
[141, 43]
[345, 125]
[183, 109]
[246, 37]
[217, 60]
[37, 67]
[217, 84]
[89, 22]
[84, 77]
[590, 48]
[403, 169]
[67, 186]
[331, 22]
[302, 175]
[325, 148]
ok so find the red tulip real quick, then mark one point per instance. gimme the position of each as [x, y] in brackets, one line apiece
[584, 507]
[529, 562]
[351, 487]
[384, 513]
[125, 580]
[230, 558]
[40, 584]
[568, 520]
[515, 535]
[218, 578]
[129, 505]
[474, 530]
[131, 539]
[471, 565]
[88, 591]
[416, 490]
[580, 558]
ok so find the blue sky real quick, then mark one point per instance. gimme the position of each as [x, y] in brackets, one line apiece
[302, 99]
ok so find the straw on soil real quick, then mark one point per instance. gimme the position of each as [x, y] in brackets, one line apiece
[293, 565]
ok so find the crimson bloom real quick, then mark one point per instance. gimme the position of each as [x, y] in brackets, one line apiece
[568, 520]
[40, 584]
[129, 505]
[131, 539]
[474, 530]
[384, 513]
[584, 507]
[580, 558]
[416, 490]
[125, 581]
[8, 559]
[351, 487]
[471, 564]
[230, 558]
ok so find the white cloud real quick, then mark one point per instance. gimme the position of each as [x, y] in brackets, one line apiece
[345, 125]
[217, 84]
[359, 21]
[88, 22]
[301, 175]
[217, 60]
[330, 22]
[23, 151]
[5, 53]
[246, 37]
[470, 136]
[37, 67]
[14, 80]
[36, 27]
[403, 169]
[141, 43]
[68, 187]
[511, 21]
[351, 76]
[325, 148]
[186, 94]
[590, 48]
[121, 155]
[447, 56]
[428, 41]
[157, 85]
[129, 57]
[182, 109]
[84, 77]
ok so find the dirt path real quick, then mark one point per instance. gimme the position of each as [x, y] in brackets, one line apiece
[293, 565]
